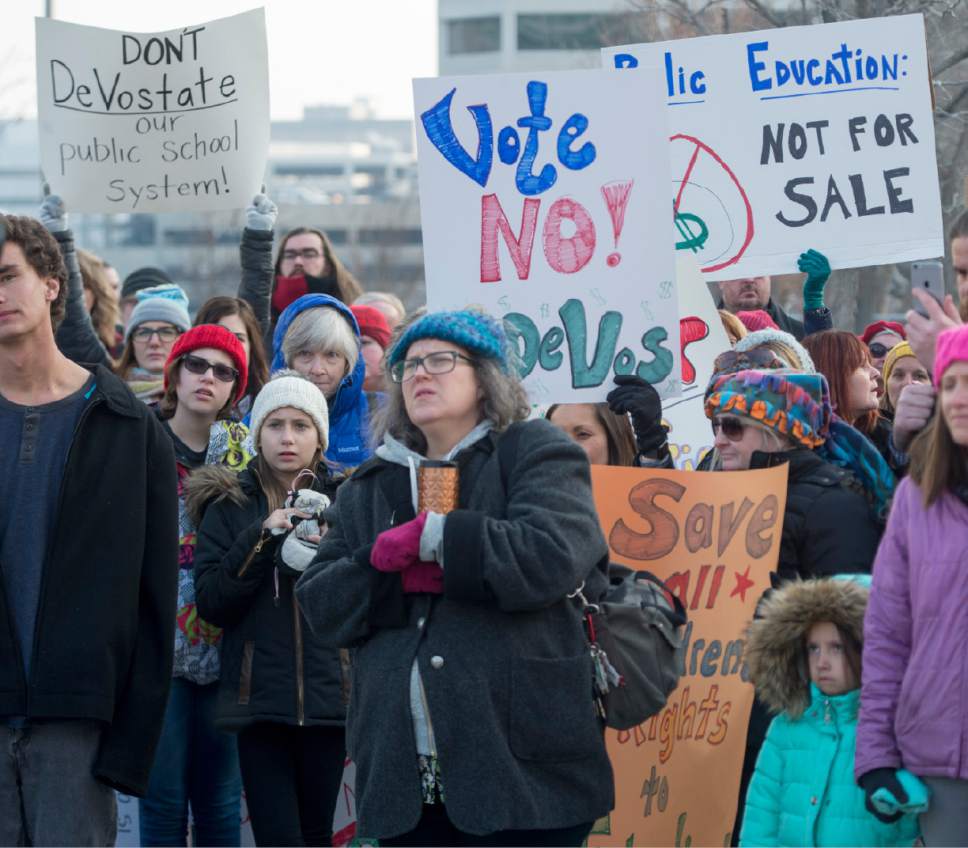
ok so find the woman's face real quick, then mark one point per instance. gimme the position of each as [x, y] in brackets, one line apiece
[861, 392]
[372, 355]
[881, 345]
[579, 421]
[236, 326]
[448, 400]
[204, 394]
[736, 439]
[152, 341]
[288, 440]
[303, 254]
[324, 369]
[906, 370]
[954, 401]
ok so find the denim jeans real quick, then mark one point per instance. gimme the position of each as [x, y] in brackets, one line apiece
[196, 766]
[48, 793]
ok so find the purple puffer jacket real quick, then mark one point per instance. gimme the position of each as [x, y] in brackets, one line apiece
[914, 697]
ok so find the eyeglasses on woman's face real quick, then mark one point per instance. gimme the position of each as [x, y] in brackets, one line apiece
[438, 362]
[165, 334]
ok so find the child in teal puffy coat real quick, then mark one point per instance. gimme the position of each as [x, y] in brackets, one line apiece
[804, 659]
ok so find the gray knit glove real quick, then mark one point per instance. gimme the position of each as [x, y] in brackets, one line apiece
[261, 214]
[53, 213]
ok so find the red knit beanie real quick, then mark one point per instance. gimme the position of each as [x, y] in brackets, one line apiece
[872, 330]
[757, 319]
[217, 337]
[373, 323]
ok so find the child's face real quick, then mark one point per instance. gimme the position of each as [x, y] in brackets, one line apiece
[827, 656]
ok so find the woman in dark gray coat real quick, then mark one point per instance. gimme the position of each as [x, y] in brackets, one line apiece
[472, 719]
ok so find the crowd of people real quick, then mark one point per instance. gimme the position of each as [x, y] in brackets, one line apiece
[220, 570]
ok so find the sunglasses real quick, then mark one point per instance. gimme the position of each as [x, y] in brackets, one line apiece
[198, 365]
[878, 350]
[733, 428]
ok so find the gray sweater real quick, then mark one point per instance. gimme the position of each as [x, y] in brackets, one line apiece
[501, 653]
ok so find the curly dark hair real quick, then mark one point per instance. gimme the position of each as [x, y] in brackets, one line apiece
[42, 254]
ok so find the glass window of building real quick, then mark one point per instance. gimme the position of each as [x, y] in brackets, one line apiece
[577, 31]
[474, 35]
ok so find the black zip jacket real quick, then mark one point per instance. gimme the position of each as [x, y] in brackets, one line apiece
[272, 666]
[102, 639]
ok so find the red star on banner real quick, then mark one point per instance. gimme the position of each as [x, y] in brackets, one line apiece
[743, 584]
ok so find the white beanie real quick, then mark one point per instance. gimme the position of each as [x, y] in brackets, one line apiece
[290, 388]
[759, 337]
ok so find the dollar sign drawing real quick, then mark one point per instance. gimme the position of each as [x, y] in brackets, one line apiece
[690, 240]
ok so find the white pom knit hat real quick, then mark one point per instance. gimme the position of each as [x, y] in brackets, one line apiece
[289, 388]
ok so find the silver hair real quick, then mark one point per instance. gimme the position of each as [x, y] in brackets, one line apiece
[321, 329]
[504, 401]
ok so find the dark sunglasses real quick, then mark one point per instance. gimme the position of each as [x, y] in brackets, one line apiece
[732, 428]
[198, 365]
[878, 351]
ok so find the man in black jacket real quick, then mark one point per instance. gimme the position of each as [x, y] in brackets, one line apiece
[751, 293]
[88, 554]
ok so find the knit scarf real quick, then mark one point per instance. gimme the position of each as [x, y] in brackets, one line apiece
[848, 448]
[145, 386]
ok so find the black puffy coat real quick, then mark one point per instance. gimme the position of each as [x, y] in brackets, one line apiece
[272, 666]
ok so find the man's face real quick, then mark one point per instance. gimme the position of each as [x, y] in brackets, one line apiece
[959, 261]
[303, 254]
[745, 294]
[25, 296]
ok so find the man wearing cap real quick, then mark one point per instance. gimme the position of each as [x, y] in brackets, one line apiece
[88, 535]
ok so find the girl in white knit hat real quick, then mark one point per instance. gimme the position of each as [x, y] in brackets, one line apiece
[281, 691]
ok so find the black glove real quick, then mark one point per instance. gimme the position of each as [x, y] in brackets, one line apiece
[882, 778]
[640, 400]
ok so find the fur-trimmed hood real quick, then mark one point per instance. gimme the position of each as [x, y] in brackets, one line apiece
[209, 483]
[775, 647]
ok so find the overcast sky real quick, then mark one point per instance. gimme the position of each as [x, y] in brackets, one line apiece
[320, 51]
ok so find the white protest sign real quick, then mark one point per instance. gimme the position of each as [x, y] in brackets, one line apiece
[544, 199]
[702, 339]
[804, 137]
[159, 122]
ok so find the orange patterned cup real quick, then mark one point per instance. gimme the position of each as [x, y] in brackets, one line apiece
[438, 486]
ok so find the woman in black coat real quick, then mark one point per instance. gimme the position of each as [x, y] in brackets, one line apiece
[472, 717]
[280, 689]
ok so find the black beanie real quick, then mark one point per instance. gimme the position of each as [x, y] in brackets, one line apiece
[144, 278]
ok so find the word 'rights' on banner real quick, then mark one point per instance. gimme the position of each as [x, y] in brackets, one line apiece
[544, 199]
[815, 136]
[154, 122]
[714, 538]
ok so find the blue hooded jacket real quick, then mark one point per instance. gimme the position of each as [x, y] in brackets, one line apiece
[348, 408]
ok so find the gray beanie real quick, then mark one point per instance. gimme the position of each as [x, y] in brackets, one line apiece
[158, 309]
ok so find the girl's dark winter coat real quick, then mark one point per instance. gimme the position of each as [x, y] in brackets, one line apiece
[272, 666]
[501, 653]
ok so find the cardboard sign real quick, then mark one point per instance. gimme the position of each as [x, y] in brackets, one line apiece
[713, 538]
[803, 137]
[154, 122]
[544, 199]
[702, 339]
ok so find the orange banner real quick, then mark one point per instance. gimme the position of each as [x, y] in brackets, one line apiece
[714, 538]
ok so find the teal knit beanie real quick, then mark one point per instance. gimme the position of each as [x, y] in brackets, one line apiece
[476, 332]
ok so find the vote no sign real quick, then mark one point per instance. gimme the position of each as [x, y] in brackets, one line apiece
[154, 122]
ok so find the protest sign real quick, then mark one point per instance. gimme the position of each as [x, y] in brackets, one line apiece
[544, 199]
[154, 122]
[713, 538]
[702, 339]
[803, 137]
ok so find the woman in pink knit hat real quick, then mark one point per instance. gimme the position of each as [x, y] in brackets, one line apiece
[914, 706]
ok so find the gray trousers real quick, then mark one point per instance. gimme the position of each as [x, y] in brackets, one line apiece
[48, 794]
[946, 821]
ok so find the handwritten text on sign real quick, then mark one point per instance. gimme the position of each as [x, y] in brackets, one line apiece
[677, 775]
[541, 201]
[830, 144]
[136, 122]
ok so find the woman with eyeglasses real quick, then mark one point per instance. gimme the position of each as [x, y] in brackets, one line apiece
[197, 766]
[764, 418]
[317, 336]
[472, 719]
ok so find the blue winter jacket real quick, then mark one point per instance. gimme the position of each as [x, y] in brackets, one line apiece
[803, 790]
[348, 409]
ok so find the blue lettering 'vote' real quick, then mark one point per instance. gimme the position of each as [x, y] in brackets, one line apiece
[440, 131]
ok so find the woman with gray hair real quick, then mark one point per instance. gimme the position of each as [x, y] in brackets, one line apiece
[473, 719]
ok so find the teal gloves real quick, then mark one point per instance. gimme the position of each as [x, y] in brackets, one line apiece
[883, 799]
[815, 265]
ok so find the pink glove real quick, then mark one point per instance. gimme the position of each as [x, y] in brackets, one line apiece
[398, 547]
[423, 577]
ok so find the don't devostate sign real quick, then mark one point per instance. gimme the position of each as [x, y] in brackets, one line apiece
[154, 122]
